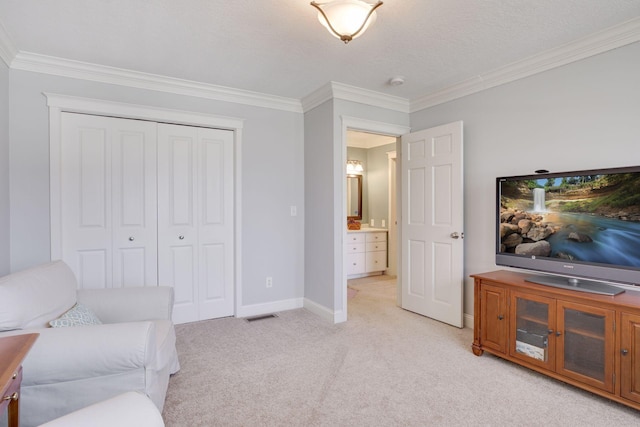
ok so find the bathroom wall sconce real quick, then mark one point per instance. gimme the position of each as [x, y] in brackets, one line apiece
[354, 167]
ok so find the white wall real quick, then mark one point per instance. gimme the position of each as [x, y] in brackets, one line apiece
[271, 182]
[4, 170]
[581, 116]
[378, 183]
[319, 206]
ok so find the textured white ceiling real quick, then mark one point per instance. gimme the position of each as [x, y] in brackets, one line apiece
[277, 47]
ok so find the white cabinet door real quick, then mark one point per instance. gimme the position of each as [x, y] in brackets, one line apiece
[108, 200]
[195, 220]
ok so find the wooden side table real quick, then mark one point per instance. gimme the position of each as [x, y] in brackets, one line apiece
[13, 350]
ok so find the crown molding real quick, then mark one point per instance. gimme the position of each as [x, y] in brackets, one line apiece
[611, 38]
[317, 97]
[7, 51]
[98, 73]
[335, 90]
[614, 37]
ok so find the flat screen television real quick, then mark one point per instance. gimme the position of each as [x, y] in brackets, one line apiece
[583, 227]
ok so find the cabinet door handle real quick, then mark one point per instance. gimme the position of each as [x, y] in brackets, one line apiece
[550, 331]
[624, 351]
[558, 333]
[13, 396]
[500, 317]
[131, 238]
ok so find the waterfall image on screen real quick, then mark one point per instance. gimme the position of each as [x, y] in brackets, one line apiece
[592, 219]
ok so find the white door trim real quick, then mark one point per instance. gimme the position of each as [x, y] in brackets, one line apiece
[58, 104]
[393, 213]
[340, 191]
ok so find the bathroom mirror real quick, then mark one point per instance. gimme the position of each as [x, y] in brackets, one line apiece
[354, 197]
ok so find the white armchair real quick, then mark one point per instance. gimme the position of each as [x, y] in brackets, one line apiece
[72, 367]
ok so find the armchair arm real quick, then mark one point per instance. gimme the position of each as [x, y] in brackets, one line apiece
[129, 304]
[74, 353]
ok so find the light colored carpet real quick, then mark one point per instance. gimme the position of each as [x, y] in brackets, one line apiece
[383, 367]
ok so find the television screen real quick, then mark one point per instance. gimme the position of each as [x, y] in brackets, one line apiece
[584, 224]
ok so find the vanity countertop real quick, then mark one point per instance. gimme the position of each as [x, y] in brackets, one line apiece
[367, 230]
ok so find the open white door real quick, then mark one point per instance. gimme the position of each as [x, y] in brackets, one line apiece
[432, 223]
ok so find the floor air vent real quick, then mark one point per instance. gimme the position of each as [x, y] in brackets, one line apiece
[262, 317]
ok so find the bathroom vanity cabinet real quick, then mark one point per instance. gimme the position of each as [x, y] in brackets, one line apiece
[366, 252]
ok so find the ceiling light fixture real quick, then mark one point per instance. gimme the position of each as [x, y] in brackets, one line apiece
[346, 19]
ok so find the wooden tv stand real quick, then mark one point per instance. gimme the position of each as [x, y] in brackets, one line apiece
[590, 341]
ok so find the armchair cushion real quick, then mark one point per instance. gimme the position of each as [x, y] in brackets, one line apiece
[49, 289]
[128, 304]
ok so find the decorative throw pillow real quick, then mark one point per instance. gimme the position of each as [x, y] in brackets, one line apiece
[78, 315]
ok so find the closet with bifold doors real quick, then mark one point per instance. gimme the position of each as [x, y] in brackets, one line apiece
[148, 204]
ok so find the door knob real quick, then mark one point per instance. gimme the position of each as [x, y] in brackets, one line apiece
[131, 239]
[455, 235]
[624, 352]
[500, 317]
[181, 237]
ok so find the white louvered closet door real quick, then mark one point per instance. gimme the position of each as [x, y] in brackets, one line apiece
[195, 220]
[108, 200]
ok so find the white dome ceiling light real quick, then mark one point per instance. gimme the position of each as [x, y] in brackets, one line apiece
[346, 19]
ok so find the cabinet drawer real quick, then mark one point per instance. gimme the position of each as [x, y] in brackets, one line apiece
[355, 238]
[377, 237]
[376, 246]
[376, 261]
[355, 263]
[355, 248]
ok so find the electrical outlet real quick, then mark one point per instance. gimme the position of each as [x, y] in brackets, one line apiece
[269, 282]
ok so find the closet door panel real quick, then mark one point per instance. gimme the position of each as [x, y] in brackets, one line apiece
[86, 208]
[108, 200]
[177, 233]
[195, 194]
[216, 222]
[134, 205]
[213, 273]
[181, 270]
[92, 268]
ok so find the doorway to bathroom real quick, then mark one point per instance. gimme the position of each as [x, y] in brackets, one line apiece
[371, 245]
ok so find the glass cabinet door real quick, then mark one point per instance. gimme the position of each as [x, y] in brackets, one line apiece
[585, 344]
[533, 321]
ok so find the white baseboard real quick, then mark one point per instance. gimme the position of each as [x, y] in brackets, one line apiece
[269, 307]
[468, 320]
[320, 310]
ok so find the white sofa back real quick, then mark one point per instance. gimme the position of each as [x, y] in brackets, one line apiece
[31, 298]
